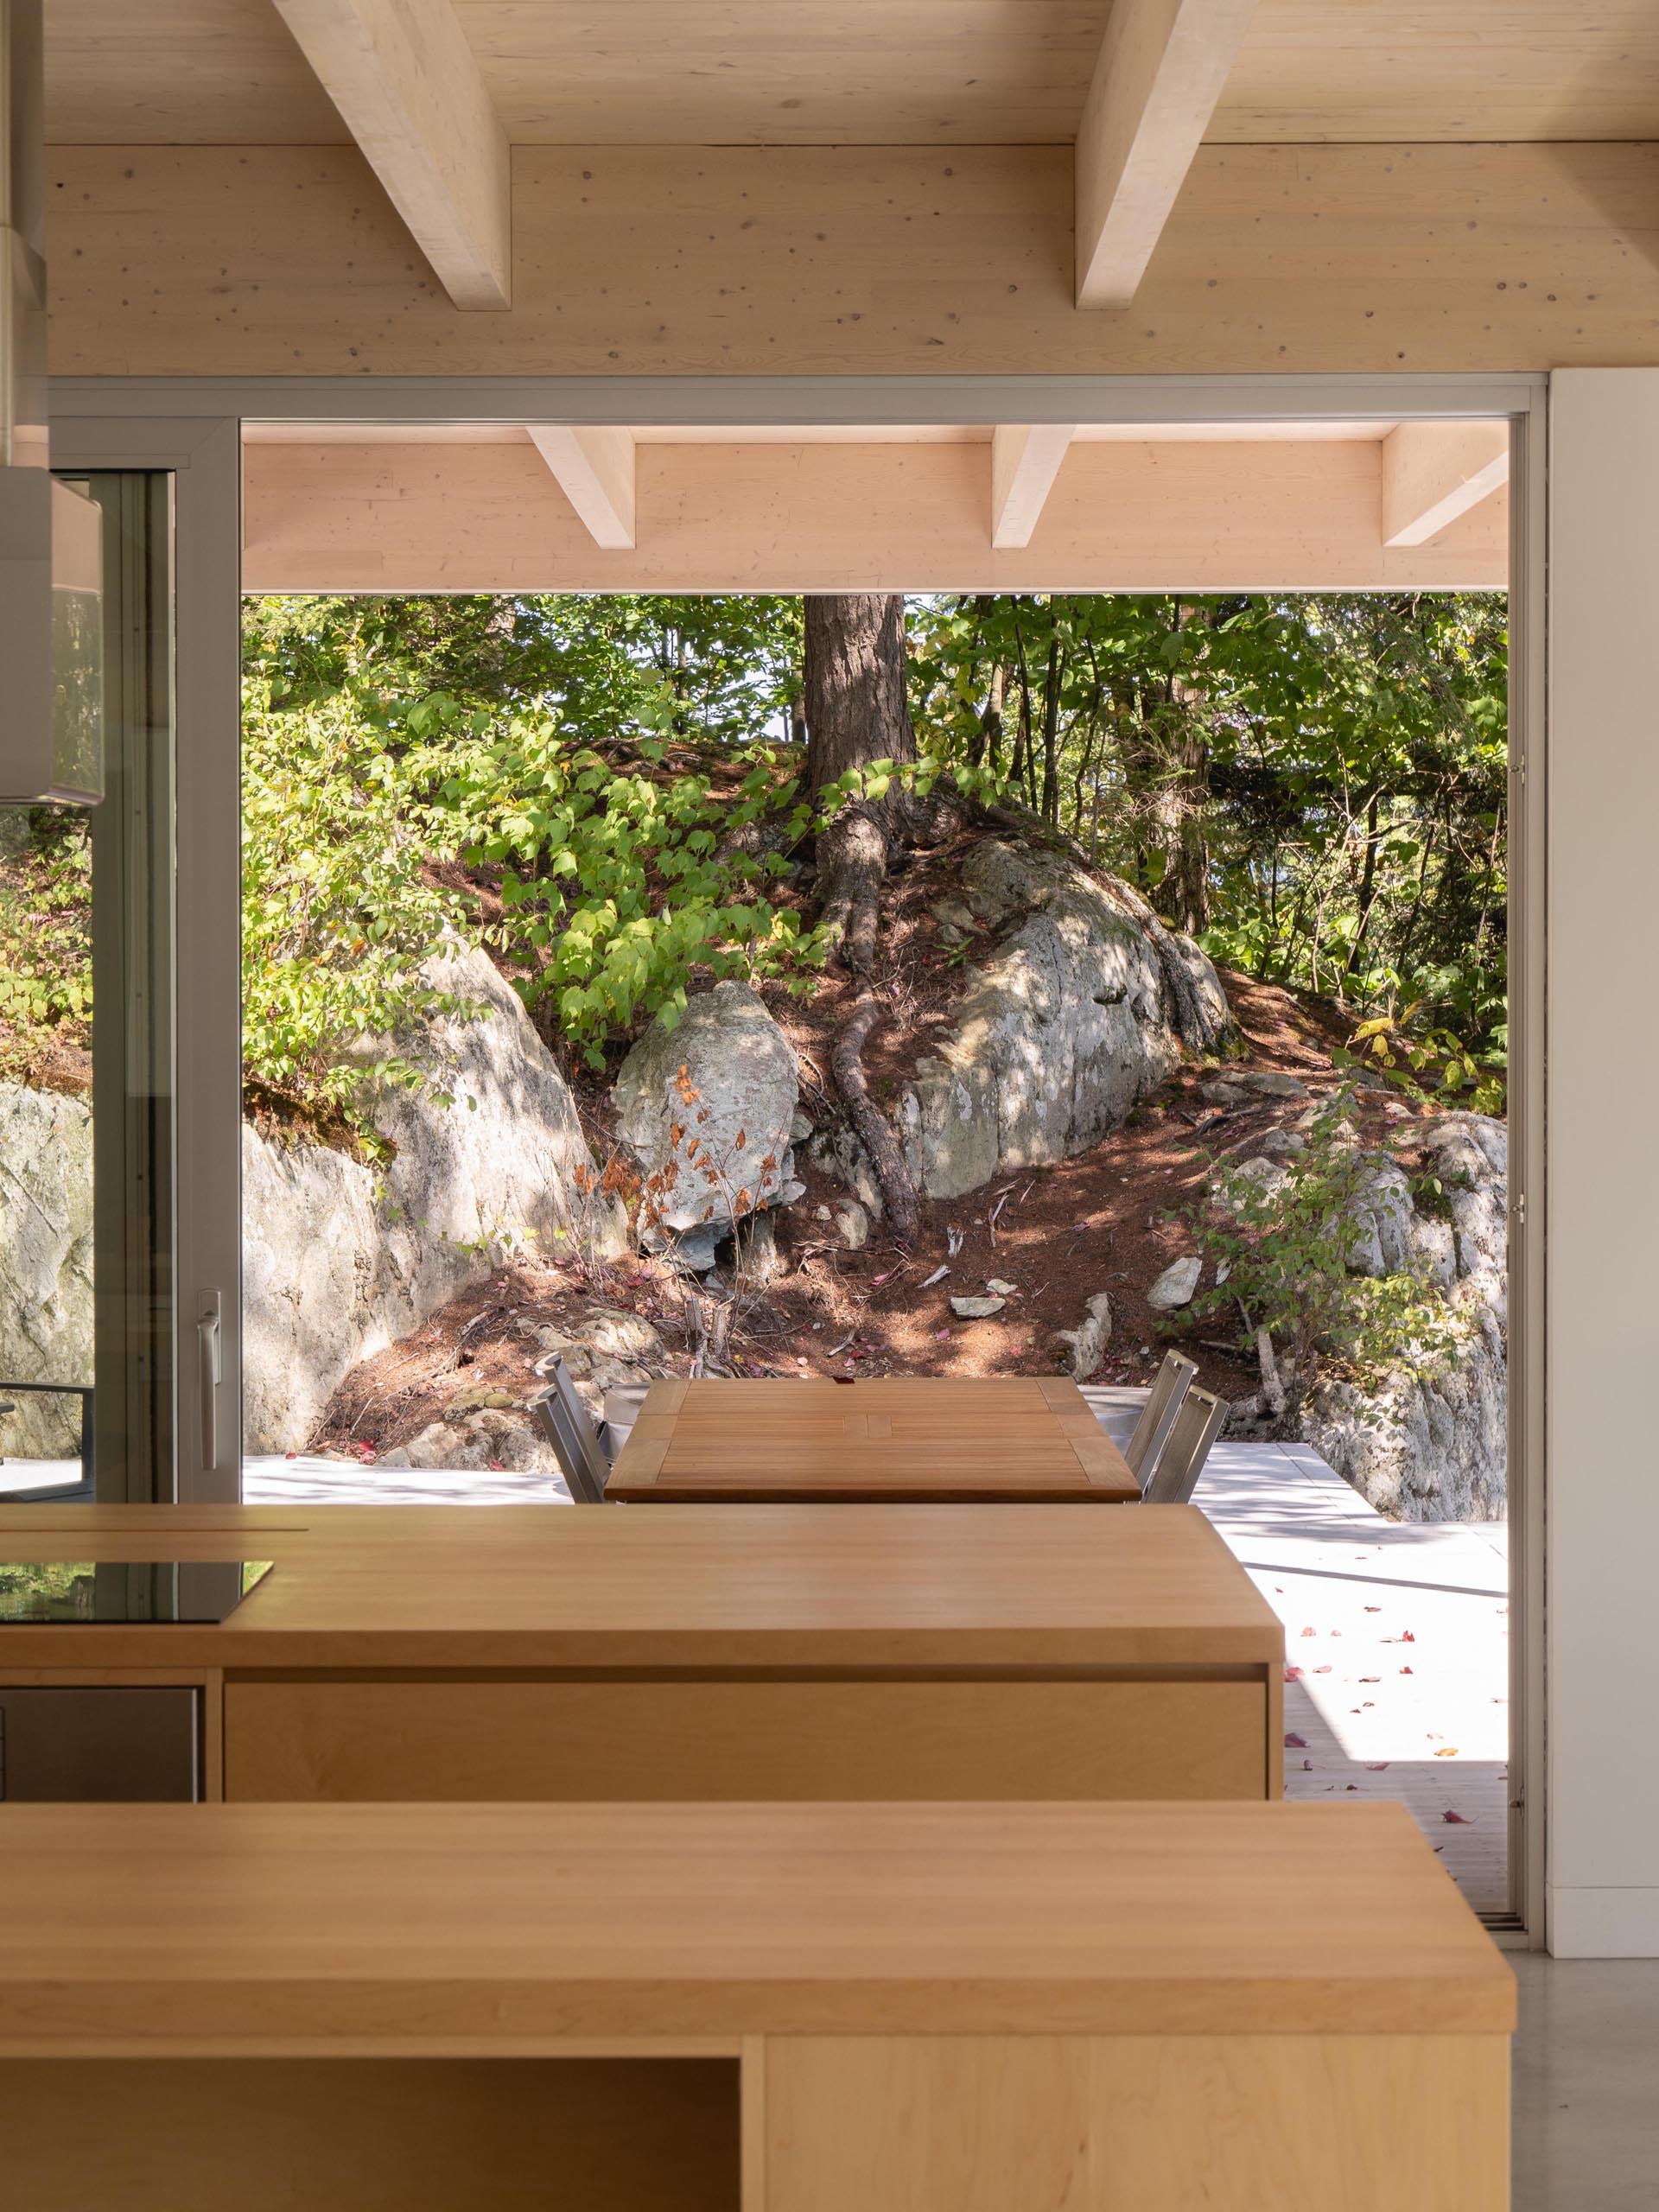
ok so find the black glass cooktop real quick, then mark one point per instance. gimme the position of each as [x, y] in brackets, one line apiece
[39, 1593]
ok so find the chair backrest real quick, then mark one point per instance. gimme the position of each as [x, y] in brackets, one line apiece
[1173, 1381]
[571, 1433]
[1175, 1475]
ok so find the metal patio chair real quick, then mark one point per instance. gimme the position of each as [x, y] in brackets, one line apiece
[1157, 1418]
[1175, 1472]
[570, 1429]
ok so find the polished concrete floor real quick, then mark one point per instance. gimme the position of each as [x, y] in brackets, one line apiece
[1587, 2085]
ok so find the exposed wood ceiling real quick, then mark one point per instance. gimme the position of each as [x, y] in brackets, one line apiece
[874, 71]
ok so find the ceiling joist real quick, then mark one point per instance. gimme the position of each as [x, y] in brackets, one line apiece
[1162, 66]
[408, 87]
[1026, 459]
[595, 471]
[1434, 471]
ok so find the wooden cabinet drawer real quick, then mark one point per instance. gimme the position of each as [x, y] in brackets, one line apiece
[550, 1739]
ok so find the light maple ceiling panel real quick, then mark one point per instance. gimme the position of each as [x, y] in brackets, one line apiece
[872, 72]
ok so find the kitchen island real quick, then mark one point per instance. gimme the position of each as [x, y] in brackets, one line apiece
[537, 1653]
[776, 2008]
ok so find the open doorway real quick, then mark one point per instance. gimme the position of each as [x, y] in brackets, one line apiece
[1186, 953]
[1306, 518]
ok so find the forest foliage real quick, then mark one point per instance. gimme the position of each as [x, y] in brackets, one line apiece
[609, 790]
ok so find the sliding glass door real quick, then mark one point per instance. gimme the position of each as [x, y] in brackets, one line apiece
[86, 945]
[118, 1184]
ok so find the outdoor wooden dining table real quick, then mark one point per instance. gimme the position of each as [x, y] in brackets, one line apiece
[915, 1439]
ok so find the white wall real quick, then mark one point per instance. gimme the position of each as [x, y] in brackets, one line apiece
[1603, 1226]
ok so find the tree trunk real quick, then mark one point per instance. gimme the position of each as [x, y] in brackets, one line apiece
[857, 713]
[856, 708]
[987, 742]
[1050, 733]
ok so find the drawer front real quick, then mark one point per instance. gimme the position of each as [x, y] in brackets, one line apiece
[573, 1739]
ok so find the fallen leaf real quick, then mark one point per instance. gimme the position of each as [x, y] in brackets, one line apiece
[1446, 1751]
[1406, 1636]
[1407, 1671]
[1292, 1673]
[1321, 1670]
[1295, 1743]
[1377, 1766]
[1373, 1609]
[1370, 1678]
[1310, 1631]
[1457, 1820]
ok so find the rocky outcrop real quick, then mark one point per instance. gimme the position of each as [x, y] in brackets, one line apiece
[45, 1266]
[1082, 1010]
[340, 1259]
[706, 1109]
[1435, 1446]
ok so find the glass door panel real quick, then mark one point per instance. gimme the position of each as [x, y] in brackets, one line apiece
[86, 1137]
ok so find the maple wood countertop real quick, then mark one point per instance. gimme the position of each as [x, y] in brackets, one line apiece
[233, 1930]
[760, 1586]
[920, 1439]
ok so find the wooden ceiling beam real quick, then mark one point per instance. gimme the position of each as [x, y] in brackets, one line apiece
[596, 470]
[1434, 471]
[1162, 67]
[1026, 459]
[407, 85]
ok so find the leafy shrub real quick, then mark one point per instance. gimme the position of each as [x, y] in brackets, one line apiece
[341, 906]
[1430, 1061]
[1281, 1245]
[45, 948]
[617, 882]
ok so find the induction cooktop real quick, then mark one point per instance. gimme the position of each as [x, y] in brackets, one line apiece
[80, 1593]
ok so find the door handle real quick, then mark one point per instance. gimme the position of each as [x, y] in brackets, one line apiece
[210, 1368]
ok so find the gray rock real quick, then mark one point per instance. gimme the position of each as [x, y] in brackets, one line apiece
[800, 1128]
[340, 1259]
[1269, 1083]
[1220, 1092]
[1087, 1342]
[693, 1252]
[709, 1153]
[45, 1265]
[1082, 1012]
[1267, 1173]
[836, 1153]
[478, 1440]
[618, 1334]
[852, 1223]
[578, 1360]
[977, 1309]
[1383, 1219]
[1177, 1284]
[1434, 1448]
[955, 915]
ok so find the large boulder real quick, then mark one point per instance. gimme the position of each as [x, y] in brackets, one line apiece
[502, 1168]
[706, 1108]
[340, 1259]
[1083, 1009]
[45, 1266]
[1435, 1446]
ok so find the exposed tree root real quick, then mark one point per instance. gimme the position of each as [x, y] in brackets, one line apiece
[874, 1129]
